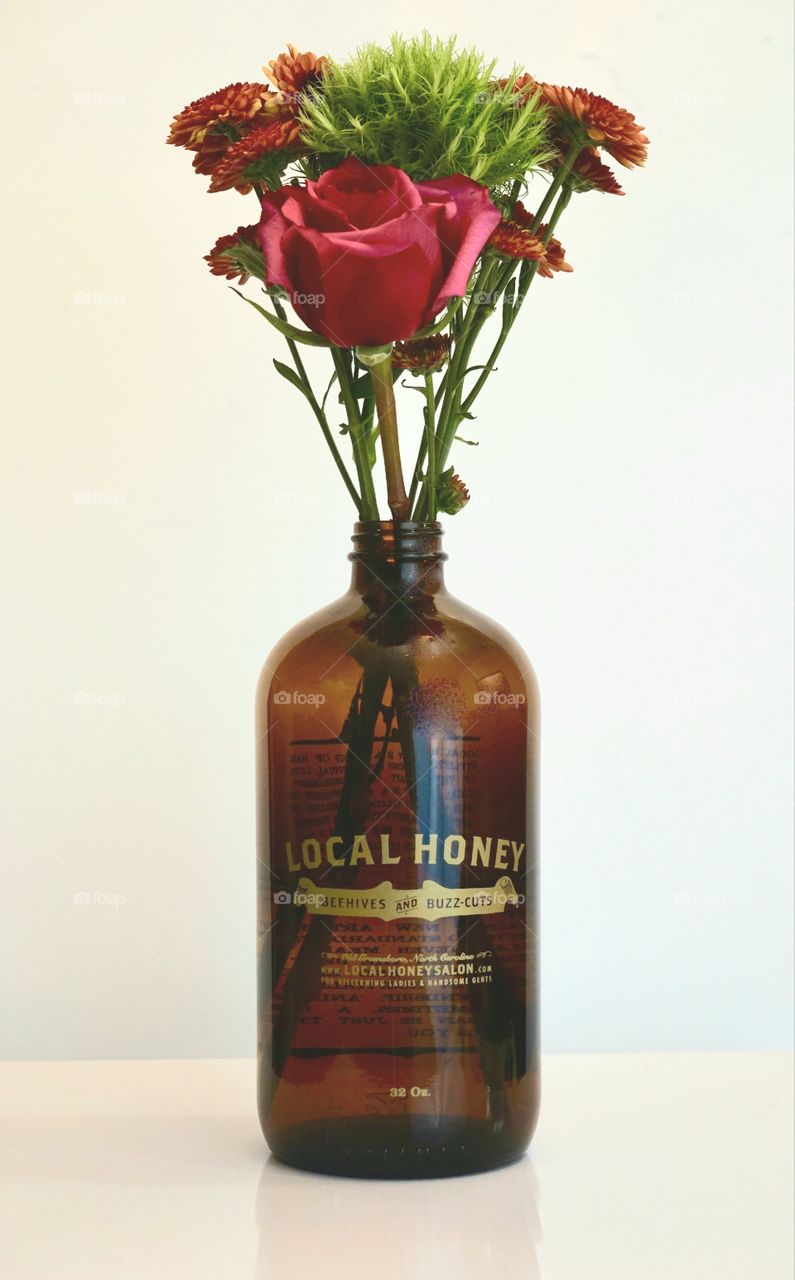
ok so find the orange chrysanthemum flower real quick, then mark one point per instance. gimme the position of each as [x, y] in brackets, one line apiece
[590, 173]
[260, 156]
[210, 151]
[293, 72]
[238, 256]
[515, 239]
[421, 355]
[226, 113]
[554, 258]
[592, 117]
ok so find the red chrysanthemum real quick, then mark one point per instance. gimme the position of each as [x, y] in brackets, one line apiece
[260, 156]
[554, 258]
[421, 355]
[590, 116]
[515, 238]
[225, 113]
[590, 173]
[210, 152]
[293, 72]
[238, 256]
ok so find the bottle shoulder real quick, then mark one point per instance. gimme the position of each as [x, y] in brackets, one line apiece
[317, 626]
[481, 624]
[443, 630]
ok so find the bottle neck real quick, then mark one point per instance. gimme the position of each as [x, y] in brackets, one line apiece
[401, 559]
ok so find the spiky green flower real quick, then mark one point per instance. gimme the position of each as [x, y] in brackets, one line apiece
[428, 108]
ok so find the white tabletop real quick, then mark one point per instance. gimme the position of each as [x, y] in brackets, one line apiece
[645, 1166]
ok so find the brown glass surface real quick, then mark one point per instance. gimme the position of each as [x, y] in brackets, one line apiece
[395, 711]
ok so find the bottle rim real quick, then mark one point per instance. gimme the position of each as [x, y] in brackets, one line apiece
[399, 541]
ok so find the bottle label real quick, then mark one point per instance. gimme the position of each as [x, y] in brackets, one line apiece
[398, 920]
[430, 901]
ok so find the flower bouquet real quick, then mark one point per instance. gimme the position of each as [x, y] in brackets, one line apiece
[406, 200]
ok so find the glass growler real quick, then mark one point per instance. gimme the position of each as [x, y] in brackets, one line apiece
[397, 760]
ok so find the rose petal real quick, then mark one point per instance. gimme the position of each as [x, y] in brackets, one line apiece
[463, 231]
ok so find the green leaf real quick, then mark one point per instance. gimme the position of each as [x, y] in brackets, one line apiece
[328, 389]
[525, 276]
[450, 310]
[289, 375]
[362, 386]
[508, 302]
[370, 444]
[288, 330]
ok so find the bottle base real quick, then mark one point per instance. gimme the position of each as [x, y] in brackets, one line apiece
[397, 1146]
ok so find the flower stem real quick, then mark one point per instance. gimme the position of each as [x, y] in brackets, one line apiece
[318, 411]
[481, 306]
[469, 400]
[316, 408]
[379, 362]
[430, 444]
[493, 282]
[368, 506]
[560, 177]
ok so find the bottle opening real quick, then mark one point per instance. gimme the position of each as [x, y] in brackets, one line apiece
[401, 541]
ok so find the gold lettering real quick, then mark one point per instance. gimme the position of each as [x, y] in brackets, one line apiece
[330, 843]
[455, 848]
[425, 846]
[501, 856]
[361, 851]
[481, 851]
[311, 853]
[386, 856]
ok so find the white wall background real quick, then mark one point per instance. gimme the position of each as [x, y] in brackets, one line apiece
[631, 525]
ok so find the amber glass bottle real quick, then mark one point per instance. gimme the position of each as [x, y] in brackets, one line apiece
[397, 737]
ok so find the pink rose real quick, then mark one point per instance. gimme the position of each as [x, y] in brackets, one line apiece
[368, 256]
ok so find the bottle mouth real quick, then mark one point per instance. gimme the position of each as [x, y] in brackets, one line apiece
[401, 540]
